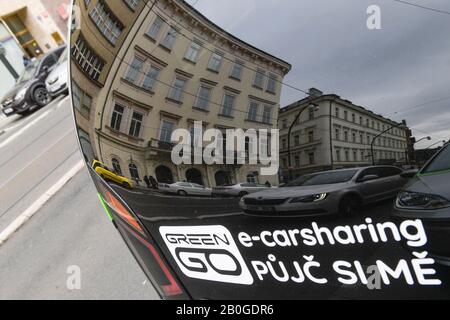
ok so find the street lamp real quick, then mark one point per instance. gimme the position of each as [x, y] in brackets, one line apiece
[424, 138]
[402, 124]
[310, 106]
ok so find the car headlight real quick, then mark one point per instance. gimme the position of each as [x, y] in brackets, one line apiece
[53, 80]
[21, 94]
[311, 198]
[415, 200]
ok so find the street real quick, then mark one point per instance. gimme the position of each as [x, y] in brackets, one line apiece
[70, 230]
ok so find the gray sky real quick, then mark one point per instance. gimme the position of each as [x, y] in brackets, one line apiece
[405, 64]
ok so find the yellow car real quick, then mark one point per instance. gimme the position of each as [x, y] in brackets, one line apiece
[109, 175]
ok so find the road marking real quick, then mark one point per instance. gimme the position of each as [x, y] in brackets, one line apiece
[25, 128]
[35, 158]
[31, 123]
[39, 203]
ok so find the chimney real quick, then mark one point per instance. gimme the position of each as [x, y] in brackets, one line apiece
[313, 92]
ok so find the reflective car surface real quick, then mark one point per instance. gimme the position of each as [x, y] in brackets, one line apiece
[329, 192]
[165, 95]
[427, 197]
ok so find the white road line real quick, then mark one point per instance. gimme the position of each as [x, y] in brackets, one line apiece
[39, 203]
[25, 128]
[35, 158]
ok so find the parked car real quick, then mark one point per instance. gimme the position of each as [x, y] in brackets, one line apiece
[57, 80]
[109, 175]
[328, 192]
[238, 190]
[30, 91]
[185, 188]
[427, 197]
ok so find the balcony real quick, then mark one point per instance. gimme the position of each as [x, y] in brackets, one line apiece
[158, 148]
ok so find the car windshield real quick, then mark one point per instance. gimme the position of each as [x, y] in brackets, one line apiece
[29, 72]
[440, 163]
[64, 56]
[323, 178]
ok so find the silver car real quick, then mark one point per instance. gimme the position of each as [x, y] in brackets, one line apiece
[185, 188]
[327, 193]
[239, 190]
[427, 197]
[57, 80]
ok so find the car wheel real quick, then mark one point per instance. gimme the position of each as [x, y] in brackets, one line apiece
[243, 194]
[349, 206]
[41, 96]
[182, 193]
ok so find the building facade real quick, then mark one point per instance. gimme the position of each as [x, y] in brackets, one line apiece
[27, 28]
[163, 68]
[334, 133]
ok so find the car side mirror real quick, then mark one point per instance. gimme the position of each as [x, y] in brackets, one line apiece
[409, 173]
[369, 177]
[45, 70]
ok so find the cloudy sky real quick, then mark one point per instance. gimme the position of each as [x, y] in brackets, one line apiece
[395, 71]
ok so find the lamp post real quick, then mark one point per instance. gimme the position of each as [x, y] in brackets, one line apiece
[309, 105]
[402, 124]
[424, 138]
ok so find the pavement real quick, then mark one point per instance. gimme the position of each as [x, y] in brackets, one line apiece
[70, 234]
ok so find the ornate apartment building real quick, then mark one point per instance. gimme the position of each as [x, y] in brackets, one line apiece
[148, 68]
[334, 133]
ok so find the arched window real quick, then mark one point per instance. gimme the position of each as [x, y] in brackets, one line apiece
[164, 174]
[116, 166]
[134, 172]
[251, 178]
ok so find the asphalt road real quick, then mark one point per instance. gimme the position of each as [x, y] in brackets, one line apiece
[71, 232]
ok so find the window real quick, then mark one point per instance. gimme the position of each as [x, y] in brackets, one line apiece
[203, 98]
[336, 112]
[284, 125]
[228, 105]
[251, 178]
[311, 136]
[337, 133]
[338, 155]
[353, 118]
[88, 61]
[253, 111]
[283, 143]
[345, 115]
[87, 101]
[297, 140]
[108, 24]
[311, 158]
[267, 115]
[134, 70]
[360, 120]
[176, 92]
[192, 52]
[132, 3]
[297, 161]
[166, 131]
[347, 155]
[169, 39]
[81, 101]
[311, 113]
[272, 83]
[134, 172]
[345, 136]
[215, 62]
[354, 137]
[116, 118]
[136, 124]
[355, 156]
[116, 166]
[258, 81]
[236, 70]
[150, 78]
[76, 95]
[155, 28]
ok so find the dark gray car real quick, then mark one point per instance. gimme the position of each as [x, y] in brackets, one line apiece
[327, 193]
[427, 197]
